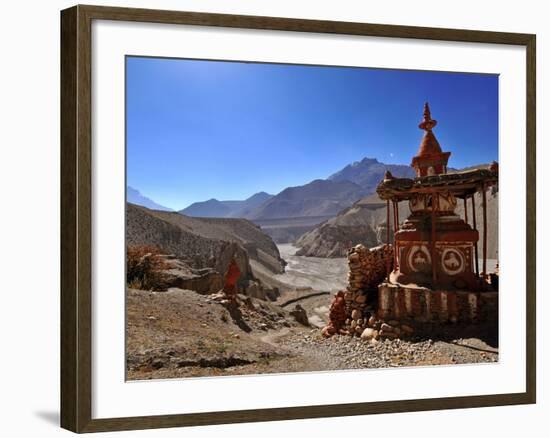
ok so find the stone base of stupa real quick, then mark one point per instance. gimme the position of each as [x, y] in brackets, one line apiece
[420, 304]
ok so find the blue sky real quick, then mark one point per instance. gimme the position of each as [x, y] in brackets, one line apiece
[207, 129]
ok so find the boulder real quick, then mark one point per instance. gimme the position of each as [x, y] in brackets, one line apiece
[254, 289]
[369, 333]
[300, 315]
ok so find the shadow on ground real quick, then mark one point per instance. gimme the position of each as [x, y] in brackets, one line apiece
[51, 417]
[486, 332]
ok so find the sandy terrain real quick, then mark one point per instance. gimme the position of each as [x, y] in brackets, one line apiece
[315, 273]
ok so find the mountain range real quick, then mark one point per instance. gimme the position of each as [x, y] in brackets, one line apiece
[215, 208]
[368, 172]
[318, 198]
[133, 196]
[296, 210]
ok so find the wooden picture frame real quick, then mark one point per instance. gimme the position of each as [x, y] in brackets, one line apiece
[76, 217]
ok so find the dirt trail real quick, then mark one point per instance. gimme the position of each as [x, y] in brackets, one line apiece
[271, 337]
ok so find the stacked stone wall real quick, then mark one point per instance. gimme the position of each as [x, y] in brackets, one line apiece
[367, 269]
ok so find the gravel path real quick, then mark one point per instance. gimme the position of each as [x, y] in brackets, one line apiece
[344, 352]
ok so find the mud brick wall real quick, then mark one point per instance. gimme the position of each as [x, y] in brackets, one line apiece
[424, 305]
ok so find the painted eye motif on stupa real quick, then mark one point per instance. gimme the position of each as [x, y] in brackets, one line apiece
[452, 261]
[419, 259]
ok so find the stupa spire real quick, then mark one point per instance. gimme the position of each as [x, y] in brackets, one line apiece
[430, 159]
[427, 123]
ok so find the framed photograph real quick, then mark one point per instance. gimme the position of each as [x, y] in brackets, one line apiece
[270, 218]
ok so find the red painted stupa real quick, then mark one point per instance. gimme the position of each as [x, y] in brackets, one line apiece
[434, 248]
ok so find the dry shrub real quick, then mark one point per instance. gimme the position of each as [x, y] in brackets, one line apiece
[144, 267]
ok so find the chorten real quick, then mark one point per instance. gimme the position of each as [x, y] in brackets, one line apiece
[432, 273]
[434, 247]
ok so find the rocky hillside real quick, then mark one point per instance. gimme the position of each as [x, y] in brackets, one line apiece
[180, 333]
[258, 245]
[368, 172]
[203, 242]
[364, 222]
[215, 208]
[318, 198]
[288, 230]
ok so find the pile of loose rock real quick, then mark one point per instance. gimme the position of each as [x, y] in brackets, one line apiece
[367, 269]
[377, 329]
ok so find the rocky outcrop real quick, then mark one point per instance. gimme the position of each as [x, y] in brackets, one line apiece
[330, 240]
[201, 251]
[179, 274]
[300, 315]
[362, 223]
[252, 238]
[148, 227]
[288, 230]
[203, 242]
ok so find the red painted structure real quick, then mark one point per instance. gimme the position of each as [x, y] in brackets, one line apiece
[230, 281]
[434, 247]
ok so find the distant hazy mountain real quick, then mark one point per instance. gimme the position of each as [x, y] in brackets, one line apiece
[210, 208]
[251, 203]
[318, 198]
[215, 208]
[368, 172]
[135, 197]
